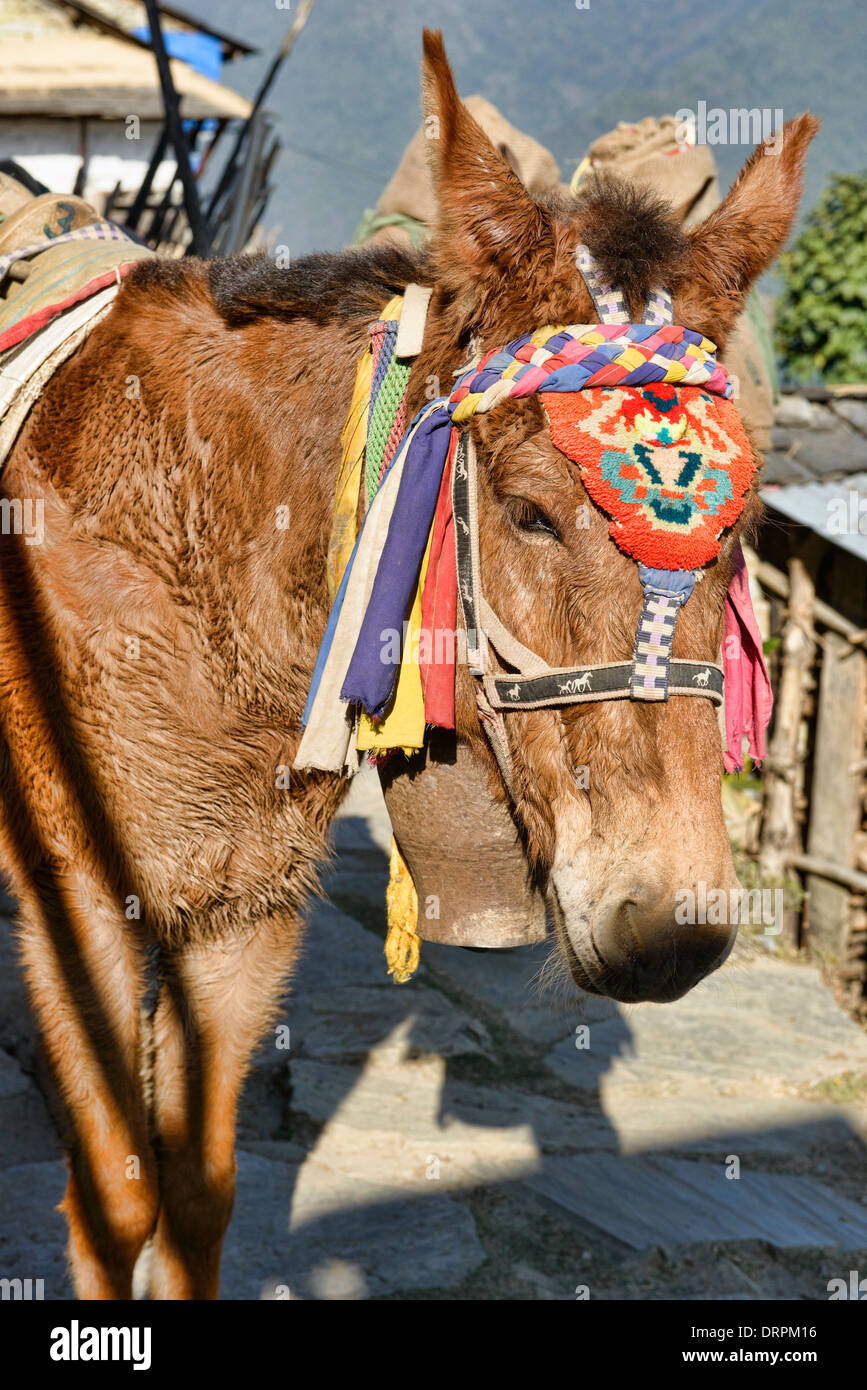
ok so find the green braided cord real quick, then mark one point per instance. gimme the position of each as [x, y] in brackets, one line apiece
[382, 417]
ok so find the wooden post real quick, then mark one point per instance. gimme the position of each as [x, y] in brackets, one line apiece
[139, 202]
[835, 801]
[780, 831]
[302, 14]
[201, 239]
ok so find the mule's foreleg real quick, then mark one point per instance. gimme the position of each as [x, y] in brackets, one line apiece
[85, 971]
[215, 1004]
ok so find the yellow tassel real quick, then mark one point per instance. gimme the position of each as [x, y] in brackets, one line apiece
[402, 944]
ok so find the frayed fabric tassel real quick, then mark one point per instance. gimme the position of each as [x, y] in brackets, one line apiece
[402, 945]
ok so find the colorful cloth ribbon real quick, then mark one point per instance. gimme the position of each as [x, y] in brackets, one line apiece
[550, 360]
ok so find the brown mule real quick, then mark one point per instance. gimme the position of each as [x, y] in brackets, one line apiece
[157, 647]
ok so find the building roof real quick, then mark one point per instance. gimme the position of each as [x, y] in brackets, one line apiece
[119, 18]
[836, 511]
[122, 17]
[87, 74]
[816, 470]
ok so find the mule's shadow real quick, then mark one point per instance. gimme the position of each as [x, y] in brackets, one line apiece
[413, 1066]
[475, 1034]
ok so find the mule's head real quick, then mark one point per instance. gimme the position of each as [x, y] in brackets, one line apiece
[620, 801]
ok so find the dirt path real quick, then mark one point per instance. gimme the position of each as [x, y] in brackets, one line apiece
[455, 1138]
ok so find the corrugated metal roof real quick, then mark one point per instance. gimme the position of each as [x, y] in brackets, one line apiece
[836, 511]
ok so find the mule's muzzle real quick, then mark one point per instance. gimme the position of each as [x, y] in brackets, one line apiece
[636, 950]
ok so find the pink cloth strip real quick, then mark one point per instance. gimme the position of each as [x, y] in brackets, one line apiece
[749, 699]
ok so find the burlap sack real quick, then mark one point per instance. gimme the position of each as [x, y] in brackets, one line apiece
[410, 194]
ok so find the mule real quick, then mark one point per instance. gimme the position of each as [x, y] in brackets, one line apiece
[157, 647]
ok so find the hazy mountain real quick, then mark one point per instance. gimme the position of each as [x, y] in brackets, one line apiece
[347, 101]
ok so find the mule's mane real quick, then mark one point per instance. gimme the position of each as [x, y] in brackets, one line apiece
[322, 287]
[633, 235]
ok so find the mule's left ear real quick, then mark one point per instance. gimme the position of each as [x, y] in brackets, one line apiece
[740, 238]
[488, 223]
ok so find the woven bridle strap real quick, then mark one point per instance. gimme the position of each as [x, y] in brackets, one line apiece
[610, 302]
[582, 356]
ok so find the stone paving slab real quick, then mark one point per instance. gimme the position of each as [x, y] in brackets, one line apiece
[737, 1124]
[363, 818]
[283, 1237]
[763, 1029]
[429, 1106]
[666, 1202]
[513, 983]
[336, 951]
[32, 1232]
[12, 1079]
[351, 1021]
[28, 1136]
[387, 1125]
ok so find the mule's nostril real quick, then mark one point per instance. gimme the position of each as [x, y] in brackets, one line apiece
[648, 955]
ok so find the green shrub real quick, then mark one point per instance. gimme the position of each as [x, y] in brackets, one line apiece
[821, 315]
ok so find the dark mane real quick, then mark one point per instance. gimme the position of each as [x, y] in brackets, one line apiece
[633, 234]
[321, 287]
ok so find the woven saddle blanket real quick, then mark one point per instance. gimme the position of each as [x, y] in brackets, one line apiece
[61, 265]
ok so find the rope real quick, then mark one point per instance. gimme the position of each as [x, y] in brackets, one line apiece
[387, 402]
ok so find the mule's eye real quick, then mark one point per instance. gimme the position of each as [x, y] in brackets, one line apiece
[529, 517]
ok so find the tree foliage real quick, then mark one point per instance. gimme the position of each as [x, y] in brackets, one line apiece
[821, 315]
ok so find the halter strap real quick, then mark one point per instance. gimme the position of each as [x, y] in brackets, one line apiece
[609, 301]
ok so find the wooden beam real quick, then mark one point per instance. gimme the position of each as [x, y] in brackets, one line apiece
[827, 868]
[141, 198]
[777, 583]
[835, 795]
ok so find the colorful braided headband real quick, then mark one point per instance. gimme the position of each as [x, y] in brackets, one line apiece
[586, 355]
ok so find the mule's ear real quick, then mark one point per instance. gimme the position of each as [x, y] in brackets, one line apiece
[488, 223]
[740, 238]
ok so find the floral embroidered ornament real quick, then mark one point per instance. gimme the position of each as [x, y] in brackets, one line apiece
[668, 465]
